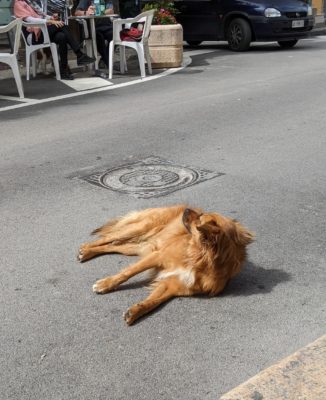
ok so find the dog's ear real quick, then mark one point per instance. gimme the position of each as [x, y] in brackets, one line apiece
[212, 232]
[239, 234]
[209, 231]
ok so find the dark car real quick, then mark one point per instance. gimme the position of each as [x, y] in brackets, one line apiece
[241, 22]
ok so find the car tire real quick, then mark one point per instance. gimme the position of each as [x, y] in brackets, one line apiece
[194, 43]
[287, 44]
[239, 35]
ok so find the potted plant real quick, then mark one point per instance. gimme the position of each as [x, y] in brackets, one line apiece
[166, 37]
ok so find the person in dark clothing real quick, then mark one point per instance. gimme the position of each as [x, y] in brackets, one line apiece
[29, 11]
[103, 27]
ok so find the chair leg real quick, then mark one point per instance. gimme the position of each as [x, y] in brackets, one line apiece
[148, 59]
[125, 59]
[110, 61]
[54, 52]
[34, 61]
[141, 59]
[123, 63]
[28, 61]
[16, 73]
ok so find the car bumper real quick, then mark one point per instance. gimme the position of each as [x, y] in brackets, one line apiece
[280, 28]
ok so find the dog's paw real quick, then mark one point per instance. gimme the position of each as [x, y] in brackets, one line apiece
[134, 312]
[129, 317]
[104, 286]
[83, 253]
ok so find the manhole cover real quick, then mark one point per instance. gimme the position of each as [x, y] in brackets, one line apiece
[151, 177]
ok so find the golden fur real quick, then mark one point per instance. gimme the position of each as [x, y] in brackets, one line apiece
[189, 252]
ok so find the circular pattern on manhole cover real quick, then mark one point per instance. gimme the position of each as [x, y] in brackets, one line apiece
[148, 178]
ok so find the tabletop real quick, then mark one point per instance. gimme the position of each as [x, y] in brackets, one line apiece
[94, 16]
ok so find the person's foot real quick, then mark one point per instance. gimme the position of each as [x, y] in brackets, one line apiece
[84, 59]
[102, 64]
[66, 74]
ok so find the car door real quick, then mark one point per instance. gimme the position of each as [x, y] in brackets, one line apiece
[199, 18]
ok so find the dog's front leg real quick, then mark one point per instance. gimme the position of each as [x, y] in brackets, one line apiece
[164, 291]
[112, 282]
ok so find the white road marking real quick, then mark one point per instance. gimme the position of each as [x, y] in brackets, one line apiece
[186, 62]
[12, 98]
[87, 83]
[198, 52]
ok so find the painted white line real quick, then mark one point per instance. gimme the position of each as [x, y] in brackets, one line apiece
[198, 52]
[12, 98]
[87, 83]
[186, 62]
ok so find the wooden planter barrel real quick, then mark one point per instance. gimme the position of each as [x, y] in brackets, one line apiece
[166, 46]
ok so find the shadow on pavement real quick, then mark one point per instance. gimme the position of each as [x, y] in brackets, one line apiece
[255, 280]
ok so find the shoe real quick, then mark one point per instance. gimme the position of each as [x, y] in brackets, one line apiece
[102, 64]
[84, 60]
[66, 74]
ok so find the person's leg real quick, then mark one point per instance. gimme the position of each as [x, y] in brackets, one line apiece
[75, 46]
[58, 37]
[108, 34]
[82, 59]
[101, 47]
[104, 37]
[62, 37]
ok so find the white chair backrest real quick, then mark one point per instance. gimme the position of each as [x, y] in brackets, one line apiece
[146, 18]
[19, 25]
[15, 24]
[43, 27]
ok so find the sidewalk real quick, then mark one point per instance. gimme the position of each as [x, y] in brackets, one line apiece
[301, 376]
[320, 26]
[45, 85]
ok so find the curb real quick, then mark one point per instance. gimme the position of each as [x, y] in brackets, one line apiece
[301, 376]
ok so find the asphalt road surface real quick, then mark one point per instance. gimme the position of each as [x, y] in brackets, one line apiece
[257, 117]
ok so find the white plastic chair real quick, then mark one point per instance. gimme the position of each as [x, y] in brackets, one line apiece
[31, 49]
[141, 47]
[11, 58]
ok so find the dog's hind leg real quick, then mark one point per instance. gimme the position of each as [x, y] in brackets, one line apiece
[122, 233]
[128, 249]
[105, 285]
[164, 290]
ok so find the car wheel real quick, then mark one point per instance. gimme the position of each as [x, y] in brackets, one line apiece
[287, 44]
[194, 42]
[239, 35]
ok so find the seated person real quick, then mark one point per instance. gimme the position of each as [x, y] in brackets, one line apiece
[103, 27]
[29, 11]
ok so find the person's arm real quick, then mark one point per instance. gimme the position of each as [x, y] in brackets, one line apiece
[48, 20]
[33, 20]
[109, 9]
[84, 8]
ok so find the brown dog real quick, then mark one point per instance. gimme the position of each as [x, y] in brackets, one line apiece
[189, 251]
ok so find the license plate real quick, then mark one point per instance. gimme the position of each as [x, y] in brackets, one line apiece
[298, 24]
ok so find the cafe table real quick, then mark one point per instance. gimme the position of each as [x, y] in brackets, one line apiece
[92, 19]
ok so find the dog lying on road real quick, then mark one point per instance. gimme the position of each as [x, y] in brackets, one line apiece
[189, 252]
